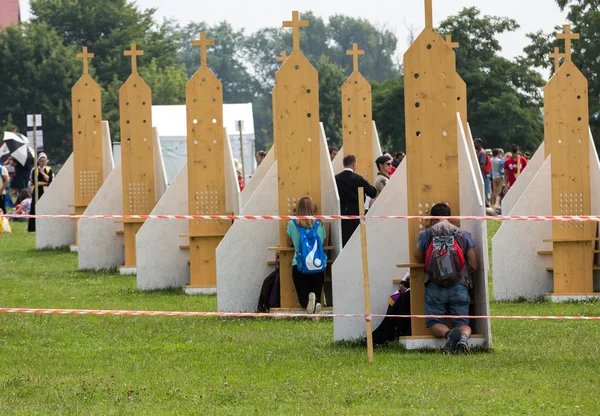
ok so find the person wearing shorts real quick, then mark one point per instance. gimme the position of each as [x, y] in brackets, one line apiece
[455, 299]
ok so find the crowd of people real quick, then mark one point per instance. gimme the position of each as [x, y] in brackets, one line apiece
[17, 192]
[500, 172]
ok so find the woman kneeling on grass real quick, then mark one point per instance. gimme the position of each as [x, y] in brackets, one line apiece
[309, 286]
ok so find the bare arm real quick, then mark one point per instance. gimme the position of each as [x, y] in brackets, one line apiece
[472, 260]
[4, 183]
[290, 243]
[420, 256]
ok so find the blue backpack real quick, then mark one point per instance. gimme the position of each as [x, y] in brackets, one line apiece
[310, 256]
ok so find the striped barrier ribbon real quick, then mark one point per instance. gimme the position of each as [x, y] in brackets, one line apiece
[581, 218]
[280, 315]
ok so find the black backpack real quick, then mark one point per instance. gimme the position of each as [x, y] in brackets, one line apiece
[269, 293]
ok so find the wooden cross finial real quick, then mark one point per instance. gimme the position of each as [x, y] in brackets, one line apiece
[85, 56]
[453, 45]
[355, 52]
[283, 57]
[556, 56]
[429, 13]
[568, 36]
[296, 24]
[203, 43]
[134, 53]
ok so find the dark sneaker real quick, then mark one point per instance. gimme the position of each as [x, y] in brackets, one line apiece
[452, 341]
[462, 346]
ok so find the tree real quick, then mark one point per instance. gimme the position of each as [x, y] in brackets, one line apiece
[504, 100]
[37, 74]
[331, 78]
[584, 16]
[388, 103]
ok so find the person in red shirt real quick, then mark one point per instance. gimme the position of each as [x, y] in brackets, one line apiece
[515, 165]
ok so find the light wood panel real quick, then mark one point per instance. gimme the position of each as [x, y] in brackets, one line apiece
[357, 119]
[298, 146]
[431, 98]
[86, 97]
[281, 59]
[567, 132]
[461, 90]
[137, 153]
[206, 169]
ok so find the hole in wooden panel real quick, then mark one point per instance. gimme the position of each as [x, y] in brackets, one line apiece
[94, 131]
[457, 98]
[86, 84]
[297, 67]
[128, 140]
[127, 122]
[364, 116]
[194, 100]
[365, 132]
[308, 91]
[416, 76]
[579, 141]
[350, 133]
[445, 133]
[429, 46]
[145, 139]
[78, 101]
[214, 100]
[203, 79]
[214, 142]
[418, 134]
[579, 97]
[126, 103]
[310, 139]
[78, 115]
[195, 141]
[309, 115]
[195, 121]
[144, 121]
[568, 75]
[214, 121]
[559, 141]
[578, 118]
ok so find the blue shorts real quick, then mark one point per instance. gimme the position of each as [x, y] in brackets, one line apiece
[454, 300]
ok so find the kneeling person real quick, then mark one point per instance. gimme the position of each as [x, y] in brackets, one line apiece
[449, 255]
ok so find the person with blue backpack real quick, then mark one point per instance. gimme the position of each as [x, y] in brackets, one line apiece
[310, 261]
[450, 256]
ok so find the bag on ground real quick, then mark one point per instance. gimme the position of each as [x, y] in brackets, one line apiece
[445, 259]
[310, 256]
[269, 293]
[5, 226]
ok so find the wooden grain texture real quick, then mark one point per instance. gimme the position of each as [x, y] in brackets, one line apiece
[137, 154]
[431, 97]
[206, 170]
[567, 135]
[298, 147]
[357, 120]
[86, 97]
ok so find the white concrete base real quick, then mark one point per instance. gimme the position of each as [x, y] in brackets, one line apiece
[200, 290]
[128, 271]
[571, 298]
[59, 199]
[436, 343]
[73, 248]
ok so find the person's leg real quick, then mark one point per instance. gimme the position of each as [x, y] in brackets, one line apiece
[435, 304]
[486, 180]
[316, 285]
[301, 285]
[460, 303]
[3, 203]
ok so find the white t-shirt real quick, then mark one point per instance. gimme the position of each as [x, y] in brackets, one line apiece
[3, 174]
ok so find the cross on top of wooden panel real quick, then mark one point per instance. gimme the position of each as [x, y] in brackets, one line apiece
[568, 36]
[428, 13]
[556, 56]
[296, 24]
[453, 45]
[134, 53]
[283, 57]
[85, 56]
[355, 52]
[203, 43]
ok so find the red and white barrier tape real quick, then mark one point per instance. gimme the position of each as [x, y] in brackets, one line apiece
[582, 218]
[278, 315]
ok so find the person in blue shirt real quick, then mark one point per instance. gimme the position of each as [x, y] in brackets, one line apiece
[497, 173]
[308, 286]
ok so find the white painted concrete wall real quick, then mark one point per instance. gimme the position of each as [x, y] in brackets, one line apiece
[108, 161]
[232, 186]
[338, 161]
[99, 246]
[330, 198]
[524, 180]
[160, 173]
[257, 177]
[518, 271]
[387, 243]
[161, 264]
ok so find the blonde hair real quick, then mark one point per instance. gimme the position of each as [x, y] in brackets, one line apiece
[306, 208]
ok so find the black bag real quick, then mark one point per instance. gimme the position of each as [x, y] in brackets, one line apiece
[269, 293]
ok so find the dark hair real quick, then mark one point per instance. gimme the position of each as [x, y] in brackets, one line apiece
[514, 149]
[333, 149]
[479, 142]
[261, 153]
[349, 161]
[441, 210]
[495, 152]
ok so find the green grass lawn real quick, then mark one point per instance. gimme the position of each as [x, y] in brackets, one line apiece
[176, 365]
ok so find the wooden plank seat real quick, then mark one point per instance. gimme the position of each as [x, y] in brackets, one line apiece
[550, 252]
[120, 232]
[410, 265]
[551, 269]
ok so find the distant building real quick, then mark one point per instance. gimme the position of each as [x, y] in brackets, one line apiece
[10, 14]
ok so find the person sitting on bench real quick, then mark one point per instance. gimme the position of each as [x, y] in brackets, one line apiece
[449, 255]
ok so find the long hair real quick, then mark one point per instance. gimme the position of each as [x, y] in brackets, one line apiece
[306, 208]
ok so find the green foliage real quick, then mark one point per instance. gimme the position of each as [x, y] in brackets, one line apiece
[37, 74]
[504, 100]
[388, 113]
[7, 125]
[331, 78]
[584, 16]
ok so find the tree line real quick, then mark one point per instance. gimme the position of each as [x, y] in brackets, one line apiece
[505, 103]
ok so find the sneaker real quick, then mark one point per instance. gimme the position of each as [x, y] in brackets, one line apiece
[452, 341]
[462, 345]
[318, 308]
[312, 299]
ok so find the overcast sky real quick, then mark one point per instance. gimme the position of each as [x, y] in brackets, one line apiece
[532, 15]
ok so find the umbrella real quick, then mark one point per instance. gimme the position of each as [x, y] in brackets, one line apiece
[15, 146]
